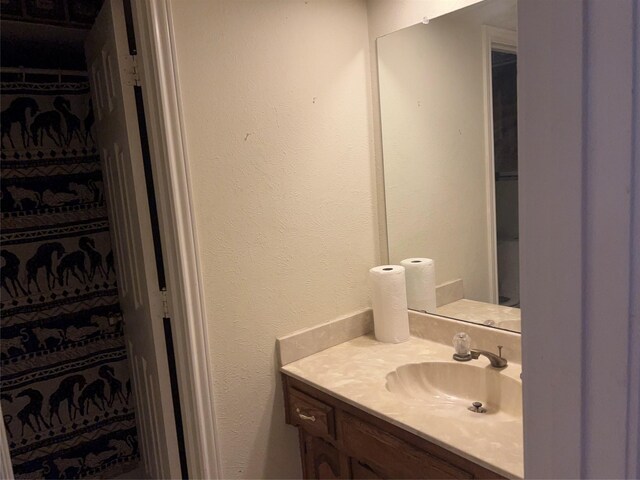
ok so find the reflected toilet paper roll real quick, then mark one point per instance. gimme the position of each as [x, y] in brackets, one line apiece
[420, 276]
[389, 300]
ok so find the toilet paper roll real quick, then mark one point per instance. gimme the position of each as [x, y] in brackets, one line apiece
[420, 274]
[389, 299]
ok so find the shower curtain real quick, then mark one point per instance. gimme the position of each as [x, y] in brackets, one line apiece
[65, 388]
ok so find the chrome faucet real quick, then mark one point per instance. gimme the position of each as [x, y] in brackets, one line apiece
[497, 361]
[462, 344]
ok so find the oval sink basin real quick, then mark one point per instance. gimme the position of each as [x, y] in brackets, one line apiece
[459, 385]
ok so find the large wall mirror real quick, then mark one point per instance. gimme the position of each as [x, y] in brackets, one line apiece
[449, 133]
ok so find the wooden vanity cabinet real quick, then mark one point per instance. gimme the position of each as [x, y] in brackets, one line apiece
[321, 459]
[338, 440]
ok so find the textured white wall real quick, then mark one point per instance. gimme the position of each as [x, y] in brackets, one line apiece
[433, 131]
[276, 101]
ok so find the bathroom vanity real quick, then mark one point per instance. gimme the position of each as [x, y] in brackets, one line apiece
[366, 409]
[338, 440]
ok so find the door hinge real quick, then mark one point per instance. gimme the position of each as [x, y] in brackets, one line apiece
[165, 303]
[131, 71]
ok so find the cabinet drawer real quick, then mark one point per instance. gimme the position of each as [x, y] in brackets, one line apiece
[395, 457]
[314, 416]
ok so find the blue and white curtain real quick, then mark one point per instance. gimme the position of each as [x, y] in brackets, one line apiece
[65, 388]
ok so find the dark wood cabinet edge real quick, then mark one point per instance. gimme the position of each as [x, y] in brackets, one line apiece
[288, 382]
[285, 388]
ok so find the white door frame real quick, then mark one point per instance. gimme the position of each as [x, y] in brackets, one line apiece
[157, 67]
[506, 40]
[578, 118]
[6, 469]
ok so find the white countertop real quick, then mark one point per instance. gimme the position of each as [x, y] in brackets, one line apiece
[480, 312]
[355, 372]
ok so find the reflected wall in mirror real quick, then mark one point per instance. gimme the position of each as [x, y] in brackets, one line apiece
[448, 105]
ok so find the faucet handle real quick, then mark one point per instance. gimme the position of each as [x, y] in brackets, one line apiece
[462, 346]
[500, 351]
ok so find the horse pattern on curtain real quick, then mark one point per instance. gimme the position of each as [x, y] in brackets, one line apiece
[65, 387]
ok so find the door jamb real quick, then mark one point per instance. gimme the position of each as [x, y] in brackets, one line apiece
[6, 468]
[153, 26]
[506, 40]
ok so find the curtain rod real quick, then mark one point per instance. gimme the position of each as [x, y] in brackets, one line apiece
[44, 71]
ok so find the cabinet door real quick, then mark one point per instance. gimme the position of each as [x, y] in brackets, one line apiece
[321, 460]
[362, 471]
[399, 459]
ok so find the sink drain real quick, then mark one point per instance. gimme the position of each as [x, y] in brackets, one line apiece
[476, 407]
